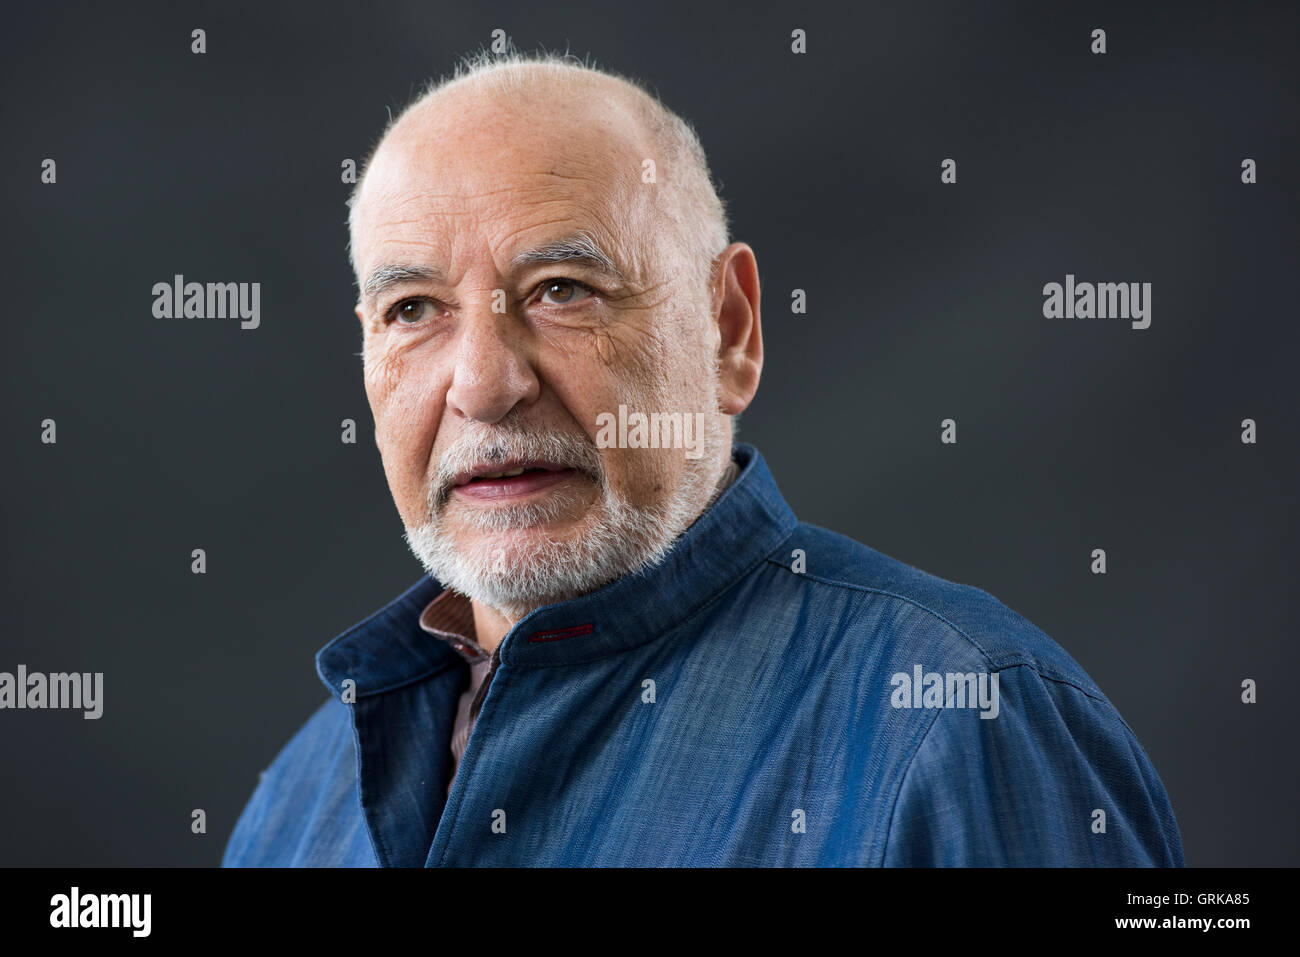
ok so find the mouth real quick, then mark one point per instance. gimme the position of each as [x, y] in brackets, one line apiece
[508, 480]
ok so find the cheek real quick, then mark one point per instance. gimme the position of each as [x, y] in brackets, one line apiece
[382, 375]
[402, 398]
[645, 477]
[406, 416]
[635, 362]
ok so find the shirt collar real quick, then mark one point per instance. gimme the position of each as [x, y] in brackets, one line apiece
[450, 616]
[732, 536]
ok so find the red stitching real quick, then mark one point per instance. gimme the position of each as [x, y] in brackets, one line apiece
[559, 634]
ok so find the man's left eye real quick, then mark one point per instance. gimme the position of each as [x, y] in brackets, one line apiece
[566, 291]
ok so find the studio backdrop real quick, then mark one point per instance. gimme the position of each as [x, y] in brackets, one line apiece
[194, 506]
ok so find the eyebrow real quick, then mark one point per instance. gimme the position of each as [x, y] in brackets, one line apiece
[581, 248]
[386, 277]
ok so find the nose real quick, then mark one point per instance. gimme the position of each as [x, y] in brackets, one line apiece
[493, 372]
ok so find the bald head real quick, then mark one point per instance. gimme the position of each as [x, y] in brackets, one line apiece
[496, 105]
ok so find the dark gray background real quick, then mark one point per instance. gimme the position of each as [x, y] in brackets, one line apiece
[925, 303]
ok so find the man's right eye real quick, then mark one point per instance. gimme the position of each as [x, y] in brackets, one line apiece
[410, 311]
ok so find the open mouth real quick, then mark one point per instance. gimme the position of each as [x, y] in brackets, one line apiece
[510, 480]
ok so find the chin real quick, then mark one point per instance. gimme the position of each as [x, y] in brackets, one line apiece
[515, 570]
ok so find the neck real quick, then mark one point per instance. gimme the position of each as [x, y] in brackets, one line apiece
[491, 625]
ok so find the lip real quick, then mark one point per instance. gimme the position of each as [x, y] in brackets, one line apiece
[514, 487]
[509, 465]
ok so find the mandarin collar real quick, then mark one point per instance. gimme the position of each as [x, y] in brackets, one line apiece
[741, 528]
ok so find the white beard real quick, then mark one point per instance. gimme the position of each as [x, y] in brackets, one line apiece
[620, 538]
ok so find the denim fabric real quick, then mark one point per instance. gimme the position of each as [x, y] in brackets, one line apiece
[775, 735]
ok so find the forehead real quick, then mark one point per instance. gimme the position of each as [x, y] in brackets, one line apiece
[475, 167]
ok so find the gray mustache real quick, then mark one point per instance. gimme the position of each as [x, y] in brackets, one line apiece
[562, 448]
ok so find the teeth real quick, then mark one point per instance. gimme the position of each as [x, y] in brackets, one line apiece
[497, 475]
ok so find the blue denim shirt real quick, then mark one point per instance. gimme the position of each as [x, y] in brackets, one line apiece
[772, 693]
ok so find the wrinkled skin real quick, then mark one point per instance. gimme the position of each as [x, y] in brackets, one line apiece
[463, 183]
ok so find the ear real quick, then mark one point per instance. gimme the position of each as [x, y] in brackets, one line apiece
[740, 334]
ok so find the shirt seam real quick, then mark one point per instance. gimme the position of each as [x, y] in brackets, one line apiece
[901, 782]
[377, 845]
[911, 761]
[994, 664]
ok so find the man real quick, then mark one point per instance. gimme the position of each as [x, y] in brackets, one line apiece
[628, 651]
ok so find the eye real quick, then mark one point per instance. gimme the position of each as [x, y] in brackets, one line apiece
[566, 291]
[409, 311]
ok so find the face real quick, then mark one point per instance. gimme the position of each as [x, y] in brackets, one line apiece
[495, 358]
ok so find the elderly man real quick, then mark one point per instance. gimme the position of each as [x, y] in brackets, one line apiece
[628, 651]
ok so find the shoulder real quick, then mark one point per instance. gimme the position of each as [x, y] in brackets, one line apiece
[1055, 778]
[314, 769]
[1019, 778]
[918, 611]
[326, 731]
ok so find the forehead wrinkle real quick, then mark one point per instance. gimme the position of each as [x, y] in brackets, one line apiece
[613, 198]
[401, 203]
[612, 123]
[400, 164]
[584, 235]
